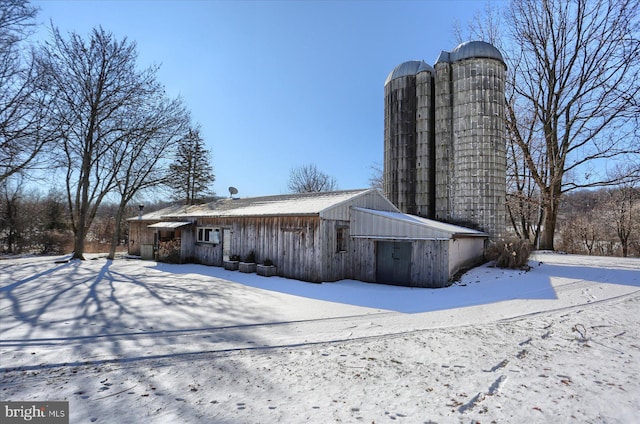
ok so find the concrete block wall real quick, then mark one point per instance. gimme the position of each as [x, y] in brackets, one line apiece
[425, 146]
[445, 152]
[399, 180]
[444, 160]
[478, 180]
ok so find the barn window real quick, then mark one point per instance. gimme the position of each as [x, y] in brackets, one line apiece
[341, 239]
[208, 235]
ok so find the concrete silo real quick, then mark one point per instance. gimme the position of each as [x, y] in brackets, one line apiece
[444, 138]
[408, 138]
[470, 137]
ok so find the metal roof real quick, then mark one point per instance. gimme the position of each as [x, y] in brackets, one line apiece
[394, 223]
[471, 49]
[165, 225]
[412, 67]
[157, 215]
[284, 204]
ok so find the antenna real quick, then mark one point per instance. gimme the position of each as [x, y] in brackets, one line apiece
[232, 191]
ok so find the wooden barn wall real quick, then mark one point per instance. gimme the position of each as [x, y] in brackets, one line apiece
[187, 243]
[337, 265]
[139, 234]
[207, 254]
[299, 249]
[292, 243]
[363, 252]
[430, 263]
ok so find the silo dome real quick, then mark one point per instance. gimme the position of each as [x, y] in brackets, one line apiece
[475, 49]
[412, 67]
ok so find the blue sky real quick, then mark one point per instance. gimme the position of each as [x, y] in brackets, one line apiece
[277, 84]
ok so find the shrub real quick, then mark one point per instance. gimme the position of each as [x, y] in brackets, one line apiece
[235, 258]
[251, 257]
[57, 242]
[268, 262]
[513, 254]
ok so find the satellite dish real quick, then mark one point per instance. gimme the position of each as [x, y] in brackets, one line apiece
[232, 191]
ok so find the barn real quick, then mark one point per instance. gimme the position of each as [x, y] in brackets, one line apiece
[316, 237]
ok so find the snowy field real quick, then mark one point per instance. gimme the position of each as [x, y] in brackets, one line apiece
[131, 341]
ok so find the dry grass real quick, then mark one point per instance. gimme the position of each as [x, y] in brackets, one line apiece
[513, 254]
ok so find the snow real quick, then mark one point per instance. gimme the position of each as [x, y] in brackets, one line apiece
[288, 204]
[443, 227]
[139, 341]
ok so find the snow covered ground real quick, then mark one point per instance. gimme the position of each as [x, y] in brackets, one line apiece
[128, 341]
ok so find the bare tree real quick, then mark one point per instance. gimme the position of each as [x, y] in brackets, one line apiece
[161, 124]
[377, 176]
[23, 109]
[622, 210]
[524, 200]
[572, 97]
[524, 203]
[485, 25]
[100, 98]
[577, 67]
[308, 179]
[11, 216]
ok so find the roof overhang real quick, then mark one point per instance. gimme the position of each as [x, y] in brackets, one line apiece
[168, 225]
[400, 225]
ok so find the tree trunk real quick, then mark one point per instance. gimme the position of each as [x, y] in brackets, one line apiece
[115, 238]
[551, 206]
[78, 245]
[546, 237]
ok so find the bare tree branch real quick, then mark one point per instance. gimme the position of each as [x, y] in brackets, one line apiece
[308, 179]
[102, 105]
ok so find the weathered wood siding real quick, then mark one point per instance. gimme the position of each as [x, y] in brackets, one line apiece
[139, 234]
[292, 243]
[337, 264]
[299, 249]
[187, 243]
[363, 252]
[429, 261]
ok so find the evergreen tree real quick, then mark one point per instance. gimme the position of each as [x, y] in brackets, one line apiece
[191, 173]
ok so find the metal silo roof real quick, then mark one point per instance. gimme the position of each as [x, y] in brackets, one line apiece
[411, 67]
[475, 49]
[444, 57]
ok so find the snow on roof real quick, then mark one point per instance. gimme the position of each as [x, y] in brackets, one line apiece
[168, 225]
[442, 227]
[157, 215]
[284, 204]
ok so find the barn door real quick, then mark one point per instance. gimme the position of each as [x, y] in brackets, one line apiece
[294, 256]
[393, 263]
[226, 243]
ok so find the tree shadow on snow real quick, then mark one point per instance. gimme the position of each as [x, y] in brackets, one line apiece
[480, 286]
[83, 307]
